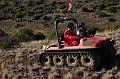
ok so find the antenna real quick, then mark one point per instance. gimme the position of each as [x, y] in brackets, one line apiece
[69, 7]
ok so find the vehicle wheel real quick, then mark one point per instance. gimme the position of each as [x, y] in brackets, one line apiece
[45, 60]
[90, 61]
[72, 60]
[58, 60]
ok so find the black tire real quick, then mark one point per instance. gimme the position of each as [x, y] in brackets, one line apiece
[90, 60]
[72, 60]
[58, 60]
[45, 60]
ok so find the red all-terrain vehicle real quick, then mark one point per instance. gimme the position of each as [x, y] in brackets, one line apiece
[91, 52]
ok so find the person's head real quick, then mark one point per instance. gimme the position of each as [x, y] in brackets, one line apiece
[70, 25]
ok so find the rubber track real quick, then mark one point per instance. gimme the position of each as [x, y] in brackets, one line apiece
[52, 54]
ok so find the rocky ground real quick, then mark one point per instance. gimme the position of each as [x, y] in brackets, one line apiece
[21, 63]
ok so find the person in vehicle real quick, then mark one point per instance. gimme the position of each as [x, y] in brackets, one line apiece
[81, 31]
[71, 38]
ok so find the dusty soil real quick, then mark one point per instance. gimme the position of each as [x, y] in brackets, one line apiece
[21, 63]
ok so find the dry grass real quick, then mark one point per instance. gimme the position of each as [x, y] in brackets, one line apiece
[21, 63]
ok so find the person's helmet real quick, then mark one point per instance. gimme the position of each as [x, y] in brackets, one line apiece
[70, 25]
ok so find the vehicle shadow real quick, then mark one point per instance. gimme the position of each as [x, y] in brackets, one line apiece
[118, 61]
[112, 60]
[113, 63]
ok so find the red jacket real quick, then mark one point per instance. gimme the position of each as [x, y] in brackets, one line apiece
[70, 36]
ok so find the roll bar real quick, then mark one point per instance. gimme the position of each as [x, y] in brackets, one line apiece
[57, 21]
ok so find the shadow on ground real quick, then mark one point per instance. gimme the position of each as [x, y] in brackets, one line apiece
[113, 63]
[118, 61]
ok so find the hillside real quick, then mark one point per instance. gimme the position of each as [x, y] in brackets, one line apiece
[41, 13]
[22, 63]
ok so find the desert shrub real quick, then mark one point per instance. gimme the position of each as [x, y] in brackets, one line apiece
[116, 27]
[102, 14]
[36, 17]
[111, 28]
[111, 19]
[31, 13]
[7, 42]
[31, 3]
[96, 28]
[19, 25]
[107, 1]
[3, 34]
[39, 36]
[45, 20]
[112, 10]
[93, 26]
[1, 18]
[44, 17]
[62, 6]
[50, 35]
[64, 10]
[39, 2]
[24, 34]
[84, 9]
[87, 8]
[19, 15]
[118, 8]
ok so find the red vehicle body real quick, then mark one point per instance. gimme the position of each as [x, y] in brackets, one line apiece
[92, 42]
[85, 43]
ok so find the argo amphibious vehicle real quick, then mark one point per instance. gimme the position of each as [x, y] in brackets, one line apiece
[91, 52]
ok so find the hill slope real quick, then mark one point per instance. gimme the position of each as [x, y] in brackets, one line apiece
[21, 63]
